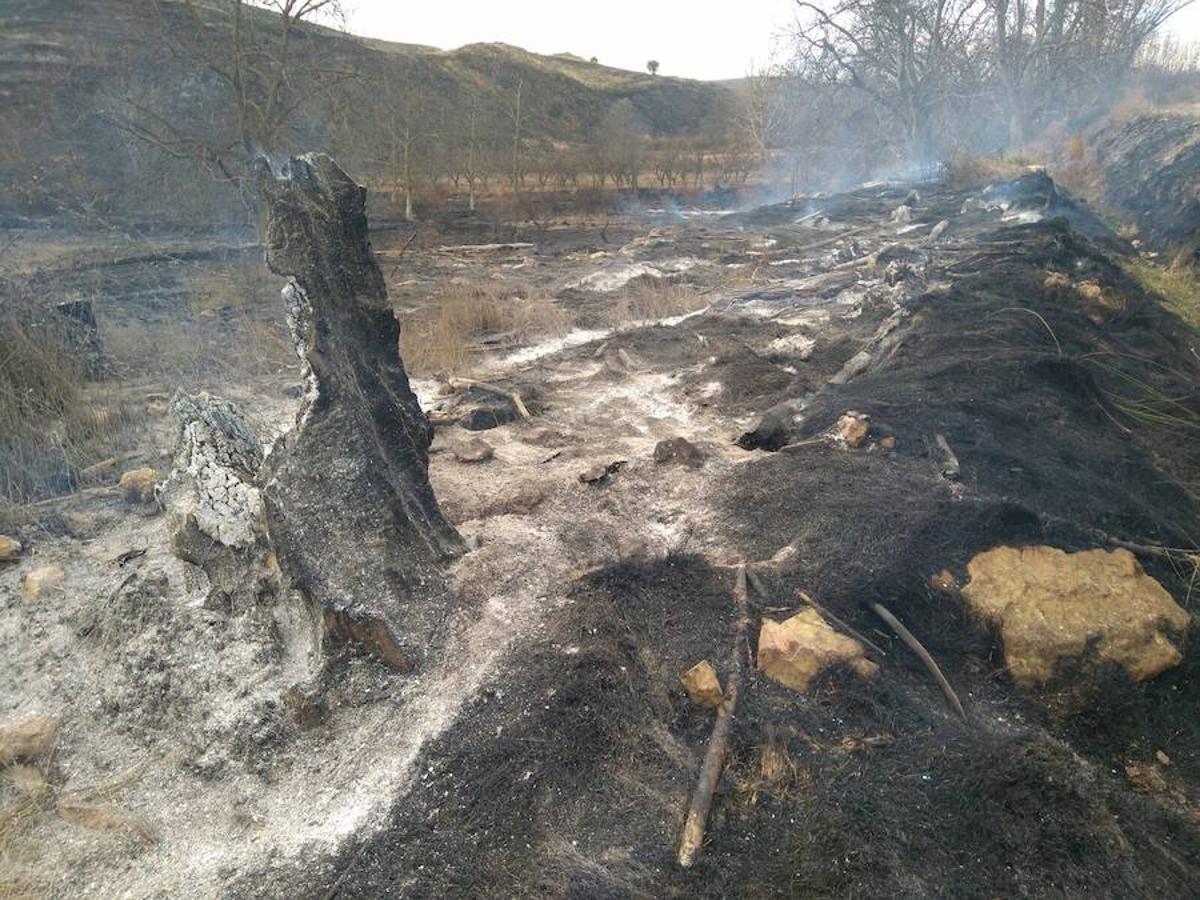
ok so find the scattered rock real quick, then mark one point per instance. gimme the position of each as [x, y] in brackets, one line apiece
[1162, 757]
[156, 409]
[492, 413]
[551, 438]
[853, 428]
[1056, 282]
[943, 581]
[678, 450]
[703, 685]
[796, 651]
[1052, 606]
[1146, 778]
[137, 485]
[474, 451]
[599, 472]
[888, 443]
[26, 741]
[10, 549]
[42, 580]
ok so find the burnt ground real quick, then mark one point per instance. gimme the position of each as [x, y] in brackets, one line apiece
[570, 776]
[552, 750]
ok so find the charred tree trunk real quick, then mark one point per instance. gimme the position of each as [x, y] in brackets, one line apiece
[349, 505]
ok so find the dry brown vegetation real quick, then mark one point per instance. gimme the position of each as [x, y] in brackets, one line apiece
[1176, 285]
[964, 170]
[51, 427]
[447, 335]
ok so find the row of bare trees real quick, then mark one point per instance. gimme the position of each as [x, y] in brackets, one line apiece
[944, 72]
[865, 84]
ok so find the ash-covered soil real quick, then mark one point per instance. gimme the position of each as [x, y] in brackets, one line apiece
[549, 748]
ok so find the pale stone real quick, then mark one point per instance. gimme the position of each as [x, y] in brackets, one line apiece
[703, 685]
[796, 651]
[474, 451]
[10, 549]
[137, 485]
[853, 428]
[1050, 606]
[37, 582]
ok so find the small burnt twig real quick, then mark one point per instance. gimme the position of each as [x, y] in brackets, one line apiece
[950, 466]
[915, 646]
[718, 744]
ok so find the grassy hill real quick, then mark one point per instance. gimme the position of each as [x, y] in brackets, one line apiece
[83, 83]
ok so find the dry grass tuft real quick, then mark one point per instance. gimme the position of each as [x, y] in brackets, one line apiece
[773, 773]
[1177, 286]
[49, 427]
[442, 337]
[648, 299]
[966, 171]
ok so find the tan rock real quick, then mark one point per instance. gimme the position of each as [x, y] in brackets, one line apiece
[1049, 606]
[1055, 282]
[474, 451]
[796, 651]
[888, 443]
[137, 485]
[26, 741]
[38, 582]
[1146, 778]
[943, 581]
[703, 685]
[853, 428]
[10, 549]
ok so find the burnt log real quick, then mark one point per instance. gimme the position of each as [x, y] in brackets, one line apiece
[348, 502]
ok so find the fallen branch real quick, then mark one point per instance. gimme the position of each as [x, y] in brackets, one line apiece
[915, 646]
[824, 439]
[950, 466]
[718, 744]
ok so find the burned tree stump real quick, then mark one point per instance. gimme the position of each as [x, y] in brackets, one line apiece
[349, 505]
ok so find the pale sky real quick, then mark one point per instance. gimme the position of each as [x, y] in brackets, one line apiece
[691, 38]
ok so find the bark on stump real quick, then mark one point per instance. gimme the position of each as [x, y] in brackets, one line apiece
[349, 505]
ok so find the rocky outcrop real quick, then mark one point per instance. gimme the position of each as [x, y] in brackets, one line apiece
[1052, 607]
[214, 505]
[347, 496]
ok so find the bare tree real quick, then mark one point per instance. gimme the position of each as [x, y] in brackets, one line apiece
[762, 108]
[265, 61]
[513, 108]
[908, 55]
